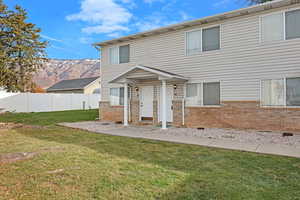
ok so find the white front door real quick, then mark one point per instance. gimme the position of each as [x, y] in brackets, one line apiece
[146, 102]
[169, 104]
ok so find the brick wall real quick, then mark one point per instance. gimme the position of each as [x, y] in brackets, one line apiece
[110, 113]
[155, 113]
[245, 115]
[135, 111]
[177, 113]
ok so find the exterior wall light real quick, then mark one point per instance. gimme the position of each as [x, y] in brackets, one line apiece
[137, 91]
[175, 87]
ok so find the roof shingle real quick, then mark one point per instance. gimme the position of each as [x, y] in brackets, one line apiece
[72, 84]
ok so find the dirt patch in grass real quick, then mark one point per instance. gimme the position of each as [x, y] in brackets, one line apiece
[9, 126]
[14, 157]
[20, 156]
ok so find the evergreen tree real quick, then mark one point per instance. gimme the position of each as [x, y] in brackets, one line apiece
[4, 44]
[21, 50]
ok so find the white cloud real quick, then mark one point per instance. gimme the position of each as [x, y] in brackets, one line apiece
[85, 40]
[221, 3]
[129, 3]
[104, 16]
[184, 15]
[153, 1]
[114, 35]
[154, 21]
[104, 29]
[50, 38]
[72, 51]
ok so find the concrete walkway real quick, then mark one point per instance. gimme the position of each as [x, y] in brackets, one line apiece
[251, 141]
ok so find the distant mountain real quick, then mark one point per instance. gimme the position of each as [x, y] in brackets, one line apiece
[56, 70]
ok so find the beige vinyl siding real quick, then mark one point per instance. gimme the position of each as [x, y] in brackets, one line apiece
[90, 88]
[139, 74]
[239, 65]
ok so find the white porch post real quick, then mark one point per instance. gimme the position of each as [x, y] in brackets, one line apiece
[125, 104]
[164, 104]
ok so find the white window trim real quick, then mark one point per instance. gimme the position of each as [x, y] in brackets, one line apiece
[201, 30]
[118, 53]
[201, 83]
[283, 12]
[284, 92]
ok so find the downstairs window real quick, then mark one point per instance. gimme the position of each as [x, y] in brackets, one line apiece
[280, 92]
[116, 96]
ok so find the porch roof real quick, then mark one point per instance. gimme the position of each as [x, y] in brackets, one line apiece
[141, 72]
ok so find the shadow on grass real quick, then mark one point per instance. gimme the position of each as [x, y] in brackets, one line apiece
[212, 173]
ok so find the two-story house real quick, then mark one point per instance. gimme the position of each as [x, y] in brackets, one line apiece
[239, 69]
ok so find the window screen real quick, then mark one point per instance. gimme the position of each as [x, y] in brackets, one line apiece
[193, 42]
[293, 91]
[191, 90]
[121, 101]
[272, 27]
[211, 39]
[211, 93]
[124, 54]
[292, 21]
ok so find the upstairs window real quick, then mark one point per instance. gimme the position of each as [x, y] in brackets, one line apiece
[272, 27]
[280, 26]
[202, 40]
[292, 22]
[193, 42]
[118, 55]
[211, 39]
[114, 55]
[124, 54]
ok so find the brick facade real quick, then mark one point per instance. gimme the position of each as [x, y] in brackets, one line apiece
[177, 113]
[155, 113]
[243, 115]
[236, 114]
[110, 113]
[135, 111]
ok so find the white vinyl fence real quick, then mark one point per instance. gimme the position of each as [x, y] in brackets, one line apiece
[4, 94]
[46, 102]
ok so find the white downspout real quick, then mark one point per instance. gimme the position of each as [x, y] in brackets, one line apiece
[183, 111]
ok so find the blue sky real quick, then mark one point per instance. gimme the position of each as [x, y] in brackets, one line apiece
[71, 26]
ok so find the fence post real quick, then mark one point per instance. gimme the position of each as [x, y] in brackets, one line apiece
[83, 105]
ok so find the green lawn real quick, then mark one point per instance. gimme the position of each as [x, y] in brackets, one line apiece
[81, 165]
[49, 118]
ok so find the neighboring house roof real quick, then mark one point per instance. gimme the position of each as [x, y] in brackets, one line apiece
[205, 20]
[153, 70]
[72, 84]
